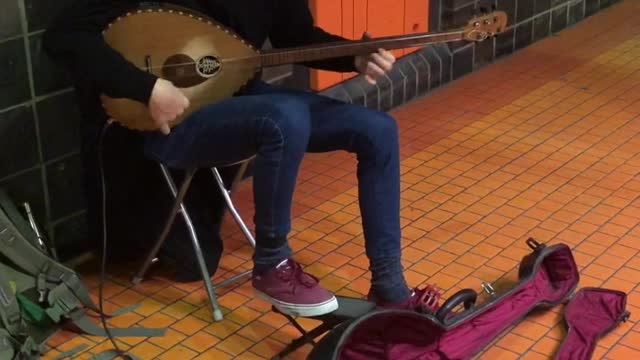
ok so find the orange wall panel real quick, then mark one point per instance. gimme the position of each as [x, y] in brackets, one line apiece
[386, 18]
[328, 15]
[416, 15]
[359, 25]
[360, 17]
[351, 18]
[348, 18]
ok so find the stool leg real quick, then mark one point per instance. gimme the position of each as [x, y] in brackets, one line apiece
[232, 208]
[236, 216]
[177, 206]
[179, 196]
[206, 278]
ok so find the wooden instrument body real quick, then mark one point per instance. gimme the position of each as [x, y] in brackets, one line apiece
[210, 63]
[207, 61]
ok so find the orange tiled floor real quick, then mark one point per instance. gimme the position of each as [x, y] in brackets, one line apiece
[542, 144]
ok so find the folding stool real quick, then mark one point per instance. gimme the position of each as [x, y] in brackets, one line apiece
[179, 207]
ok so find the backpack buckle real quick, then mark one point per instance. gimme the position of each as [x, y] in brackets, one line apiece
[41, 287]
[41, 282]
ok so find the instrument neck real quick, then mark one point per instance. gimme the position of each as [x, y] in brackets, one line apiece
[351, 48]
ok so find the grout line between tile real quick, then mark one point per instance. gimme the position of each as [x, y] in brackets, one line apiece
[36, 118]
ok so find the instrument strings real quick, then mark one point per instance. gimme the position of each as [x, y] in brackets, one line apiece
[313, 49]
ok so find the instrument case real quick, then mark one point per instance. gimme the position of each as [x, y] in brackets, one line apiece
[548, 277]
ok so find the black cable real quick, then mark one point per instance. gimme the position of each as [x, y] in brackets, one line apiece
[119, 352]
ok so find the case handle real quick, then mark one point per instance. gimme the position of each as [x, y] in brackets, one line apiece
[466, 296]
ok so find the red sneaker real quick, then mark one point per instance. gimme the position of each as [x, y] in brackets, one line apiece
[294, 292]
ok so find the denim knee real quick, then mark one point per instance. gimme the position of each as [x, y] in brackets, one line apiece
[282, 142]
[289, 121]
[380, 134]
[384, 126]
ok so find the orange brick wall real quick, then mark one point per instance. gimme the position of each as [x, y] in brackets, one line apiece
[351, 18]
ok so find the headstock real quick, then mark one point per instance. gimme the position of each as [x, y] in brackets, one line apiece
[483, 26]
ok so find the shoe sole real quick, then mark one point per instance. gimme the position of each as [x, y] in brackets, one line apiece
[309, 310]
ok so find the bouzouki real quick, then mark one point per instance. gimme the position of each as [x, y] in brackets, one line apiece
[210, 63]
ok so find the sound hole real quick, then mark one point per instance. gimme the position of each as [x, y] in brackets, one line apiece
[182, 71]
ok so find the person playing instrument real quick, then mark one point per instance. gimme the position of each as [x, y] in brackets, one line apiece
[278, 125]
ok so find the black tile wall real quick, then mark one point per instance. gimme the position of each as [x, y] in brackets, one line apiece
[606, 3]
[46, 76]
[427, 63]
[385, 93]
[541, 26]
[70, 236]
[487, 5]
[27, 187]
[14, 79]
[525, 11]
[504, 43]
[524, 34]
[338, 93]
[454, 46]
[355, 91]
[509, 7]
[371, 99]
[435, 15]
[39, 136]
[59, 124]
[40, 12]
[576, 12]
[411, 78]
[462, 62]
[398, 87]
[559, 19]
[484, 52]
[9, 19]
[457, 16]
[16, 126]
[457, 4]
[591, 7]
[540, 6]
[64, 180]
[444, 56]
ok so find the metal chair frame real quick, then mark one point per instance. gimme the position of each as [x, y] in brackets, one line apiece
[179, 207]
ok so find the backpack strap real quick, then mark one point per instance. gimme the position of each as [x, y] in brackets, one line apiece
[82, 322]
[111, 354]
[38, 294]
[9, 306]
[71, 353]
[7, 350]
[21, 252]
[10, 348]
[64, 304]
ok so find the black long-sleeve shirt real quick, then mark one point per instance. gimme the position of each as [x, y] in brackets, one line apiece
[74, 39]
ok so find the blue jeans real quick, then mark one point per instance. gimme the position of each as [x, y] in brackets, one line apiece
[279, 126]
